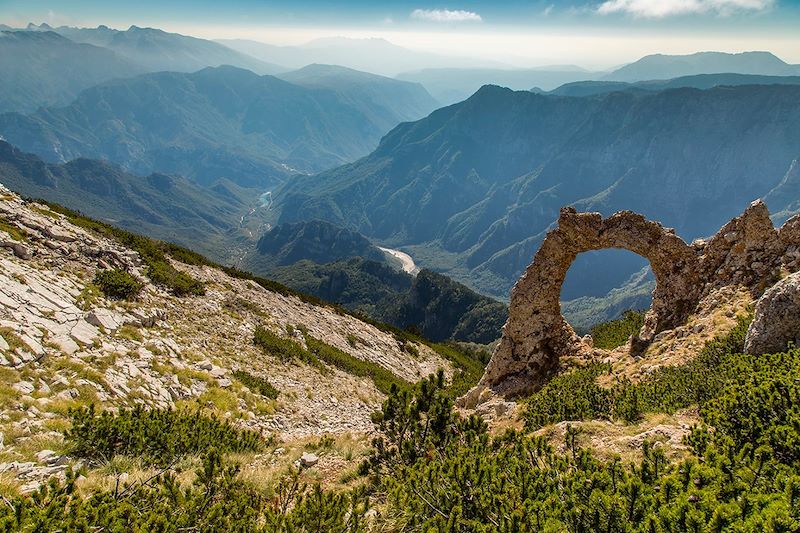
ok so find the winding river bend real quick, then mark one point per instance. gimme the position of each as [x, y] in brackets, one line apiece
[407, 261]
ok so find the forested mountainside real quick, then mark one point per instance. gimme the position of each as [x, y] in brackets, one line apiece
[317, 241]
[429, 303]
[217, 123]
[474, 187]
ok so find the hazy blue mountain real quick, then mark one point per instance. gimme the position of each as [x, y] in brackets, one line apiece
[472, 189]
[315, 240]
[662, 67]
[450, 85]
[162, 206]
[157, 50]
[699, 81]
[388, 101]
[437, 306]
[217, 123]
[372, 55]
[43, 68]
[635, 293]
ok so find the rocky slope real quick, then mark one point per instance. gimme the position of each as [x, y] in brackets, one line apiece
[63, 345]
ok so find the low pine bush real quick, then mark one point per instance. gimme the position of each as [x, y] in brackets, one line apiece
[158, 436]
[382, 378]
[179, 283]
[257, 384]
[117, 284]
[610, 335]
[217, 501]
[577, 396]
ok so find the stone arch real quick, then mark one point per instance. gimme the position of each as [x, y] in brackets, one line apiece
[536, 333]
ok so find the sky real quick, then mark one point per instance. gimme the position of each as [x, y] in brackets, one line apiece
[589, 33]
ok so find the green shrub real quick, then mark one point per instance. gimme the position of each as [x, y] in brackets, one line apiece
[257, 384]
[179, 283]
[440, 472]
[383, 379]
[571, 396]
[610, 335]
[117, 284]
[158, 436]
[284, 348]
[576, 395]
[217, 501]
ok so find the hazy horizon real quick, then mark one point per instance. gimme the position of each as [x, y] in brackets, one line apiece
[593, 35]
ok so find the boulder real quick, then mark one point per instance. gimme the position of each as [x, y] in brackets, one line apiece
[308, 460]
[106, 319]
[776, 322]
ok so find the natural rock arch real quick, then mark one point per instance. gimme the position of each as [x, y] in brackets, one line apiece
[536, 333]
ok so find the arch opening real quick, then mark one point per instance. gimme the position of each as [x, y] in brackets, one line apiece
[537, 334]
[601, 285]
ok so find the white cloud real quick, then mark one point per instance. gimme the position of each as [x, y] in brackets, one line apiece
[549, 9]
[446, 15]
[667, 8]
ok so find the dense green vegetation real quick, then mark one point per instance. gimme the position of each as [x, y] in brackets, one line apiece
[117, 284]
[440, 472]
[315, 240]
[610, 335]
[256, 384]
[159, 436]
[435, 305]
[575, 395]
[217, 501]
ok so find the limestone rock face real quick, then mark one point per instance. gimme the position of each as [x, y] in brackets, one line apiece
[777, 318]
[748, 252]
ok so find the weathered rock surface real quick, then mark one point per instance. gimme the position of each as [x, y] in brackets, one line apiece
[63, 344]
[748, 251]
[776, 322]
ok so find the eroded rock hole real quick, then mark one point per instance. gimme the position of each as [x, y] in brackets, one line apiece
[601, 285]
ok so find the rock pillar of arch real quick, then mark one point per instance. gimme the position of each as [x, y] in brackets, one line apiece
[536, 333]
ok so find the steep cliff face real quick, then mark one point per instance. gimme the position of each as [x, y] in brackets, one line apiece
[64, 344]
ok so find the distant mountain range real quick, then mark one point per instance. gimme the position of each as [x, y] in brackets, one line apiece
[450, 85]
[663, 67]
[372, 55]
[155, 50]
[472, 189]
[44, 68]
[223, 122]
[698, 81]
[163, 206]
